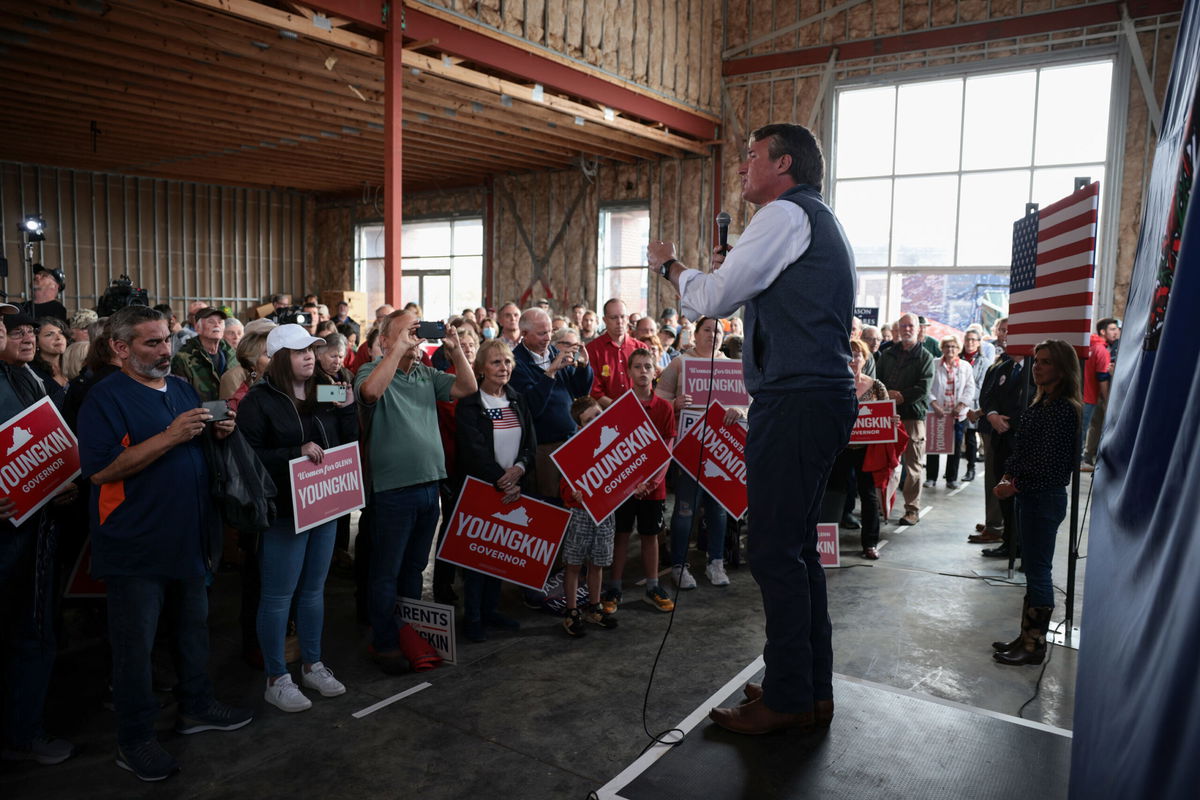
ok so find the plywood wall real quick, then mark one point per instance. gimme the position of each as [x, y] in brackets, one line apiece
[180, 241]
[795, 94]
[669, 46]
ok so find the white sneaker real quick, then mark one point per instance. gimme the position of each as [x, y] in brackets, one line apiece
[715, 572]
[286, 695]
[683, 578]
[321, 679]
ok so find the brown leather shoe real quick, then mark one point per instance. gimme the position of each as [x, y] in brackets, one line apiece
[984, 538]
[754, 718]
[822, 709]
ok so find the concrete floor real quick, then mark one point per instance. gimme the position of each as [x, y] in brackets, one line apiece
[535, 715]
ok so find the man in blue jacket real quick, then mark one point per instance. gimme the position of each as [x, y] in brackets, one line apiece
[549, 378]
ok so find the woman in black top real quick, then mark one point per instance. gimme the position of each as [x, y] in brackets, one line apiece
[1036, 475]
[282, 420]
[494, 442]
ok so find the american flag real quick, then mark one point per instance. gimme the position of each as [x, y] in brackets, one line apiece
[503, 418]
[1053, 272]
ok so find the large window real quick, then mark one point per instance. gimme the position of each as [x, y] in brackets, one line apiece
[624, 234]
[928, 177]
[441, 264]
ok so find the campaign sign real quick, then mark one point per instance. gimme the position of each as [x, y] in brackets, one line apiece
[728, 387]
[81, 583]
[875, 423]
[719, 451]
[434, 621]
[40, 455]
[607, 459]
[939, 434]
[828, 547]
[516, 542]
[325, 491]
[687, 418]
[868, 314]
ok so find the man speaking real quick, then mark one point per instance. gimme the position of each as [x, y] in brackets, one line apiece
[793, 271]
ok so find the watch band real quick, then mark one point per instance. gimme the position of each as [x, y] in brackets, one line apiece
[665, 268]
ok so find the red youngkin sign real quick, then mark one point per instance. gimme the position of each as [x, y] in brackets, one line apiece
[723, 450]
[939, 434]
[612, 455]
[728, 385]
[325, 491]
[875, 423]
[40, 454]
[516, 542]
[828, 546]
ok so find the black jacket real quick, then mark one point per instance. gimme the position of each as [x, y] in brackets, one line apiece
[25, 382]
[1003, 395]
[275, 429]
[475, 453]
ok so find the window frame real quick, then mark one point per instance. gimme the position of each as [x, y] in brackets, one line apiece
[1106, 235]
[601, 269]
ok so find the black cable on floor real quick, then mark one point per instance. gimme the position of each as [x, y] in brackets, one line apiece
[1045, 663]
[660, 738]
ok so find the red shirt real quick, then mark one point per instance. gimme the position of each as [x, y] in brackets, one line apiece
[1099, 362]
[662, 414]
[608, 365]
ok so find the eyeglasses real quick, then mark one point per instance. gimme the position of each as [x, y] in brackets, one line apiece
[22, 332]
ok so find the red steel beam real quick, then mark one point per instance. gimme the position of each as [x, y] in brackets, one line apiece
[530, 66]
[393, 175]
[972, 33]
[366, 12]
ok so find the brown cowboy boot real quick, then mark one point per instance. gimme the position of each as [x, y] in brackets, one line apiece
[1032, 649]
[1004, 647]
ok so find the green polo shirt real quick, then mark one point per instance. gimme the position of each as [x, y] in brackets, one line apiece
[405, 445]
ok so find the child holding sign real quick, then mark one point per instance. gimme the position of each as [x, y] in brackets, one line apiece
[585, 541]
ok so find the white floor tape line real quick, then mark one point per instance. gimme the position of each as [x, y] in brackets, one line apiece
[388, 701]
[610, 790]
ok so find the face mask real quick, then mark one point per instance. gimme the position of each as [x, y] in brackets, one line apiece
[489, 333]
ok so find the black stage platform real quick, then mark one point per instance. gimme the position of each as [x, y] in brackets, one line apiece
[884, 743]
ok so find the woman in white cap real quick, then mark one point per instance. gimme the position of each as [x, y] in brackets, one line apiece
[282, 420]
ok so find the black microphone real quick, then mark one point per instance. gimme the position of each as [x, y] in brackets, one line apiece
[723, 231]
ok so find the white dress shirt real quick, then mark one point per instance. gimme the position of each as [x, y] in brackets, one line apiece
[777, 235]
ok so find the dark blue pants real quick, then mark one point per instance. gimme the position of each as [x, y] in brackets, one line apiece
[793, 440]
[402, 534]
[1039, 514]
[134, 605]
[26, 643]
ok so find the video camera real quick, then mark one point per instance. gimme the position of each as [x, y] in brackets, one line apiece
[292, 315]
[120, 294]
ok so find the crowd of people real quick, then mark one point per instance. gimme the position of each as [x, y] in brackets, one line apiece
[497, 395]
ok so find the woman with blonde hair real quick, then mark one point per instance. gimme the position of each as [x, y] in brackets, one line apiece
[1044, 455]
[73, 358]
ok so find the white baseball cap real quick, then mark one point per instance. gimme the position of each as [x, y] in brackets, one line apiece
[290, 337]
[8, 308]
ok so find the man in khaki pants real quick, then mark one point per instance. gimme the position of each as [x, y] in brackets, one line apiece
[906, 369]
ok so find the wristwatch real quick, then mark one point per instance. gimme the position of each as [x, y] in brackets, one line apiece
[664, 269]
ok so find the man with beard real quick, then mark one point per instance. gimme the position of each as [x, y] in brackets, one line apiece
[151, 519]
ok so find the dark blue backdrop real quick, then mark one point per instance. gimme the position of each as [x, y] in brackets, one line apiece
[1137, 704]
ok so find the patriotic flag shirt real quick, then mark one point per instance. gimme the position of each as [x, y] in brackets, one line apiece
[506, 428]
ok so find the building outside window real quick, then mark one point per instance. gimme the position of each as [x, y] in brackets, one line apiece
[621, 259]
[929, 175]
[441, 264]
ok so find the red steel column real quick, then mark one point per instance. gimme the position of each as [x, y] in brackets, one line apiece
[393, 189]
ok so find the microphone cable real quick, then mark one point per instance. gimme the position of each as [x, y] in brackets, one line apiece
[697, 496]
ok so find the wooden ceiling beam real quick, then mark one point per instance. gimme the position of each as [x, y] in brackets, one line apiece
[155, 68]
[296, 23]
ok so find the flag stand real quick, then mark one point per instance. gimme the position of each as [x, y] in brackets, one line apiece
[1068, 634]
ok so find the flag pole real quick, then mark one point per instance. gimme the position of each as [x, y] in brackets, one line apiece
[1068, 635]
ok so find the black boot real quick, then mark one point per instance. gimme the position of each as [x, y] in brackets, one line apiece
[1004, 647]
[1032, 649]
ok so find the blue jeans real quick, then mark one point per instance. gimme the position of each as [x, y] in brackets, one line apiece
[405, 523]
[689, 495]
[134, 605]
[27, 645]
[1089, 411]
[793, 440]
[293, 564]
[481, 595]
[1039, 514]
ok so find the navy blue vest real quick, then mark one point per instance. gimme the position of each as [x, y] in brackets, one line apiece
[798, 328]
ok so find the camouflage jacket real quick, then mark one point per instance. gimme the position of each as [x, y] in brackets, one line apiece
[196, 367]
